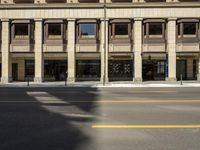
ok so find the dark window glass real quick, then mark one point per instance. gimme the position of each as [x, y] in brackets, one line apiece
[88, 68]
[29, 69]
[21, 29]
[54, 29]
[121, 29]
[189, 28]
[155, 28]
[88, 30]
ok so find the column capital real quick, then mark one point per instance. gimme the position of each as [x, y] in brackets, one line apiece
[102, 19]
[138, 19]
[172, 19]
[38, 20]
[5, 20]
[71, 19]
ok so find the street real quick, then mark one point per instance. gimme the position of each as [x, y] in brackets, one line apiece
[88, 118]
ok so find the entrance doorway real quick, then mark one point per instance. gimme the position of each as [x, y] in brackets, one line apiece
[15, 72]
[153, 70]
[181, 69]
[55, 70]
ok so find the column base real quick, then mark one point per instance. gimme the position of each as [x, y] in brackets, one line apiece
[38, 80]
[171, 79]
[71, 80]
[6, 79]
[102, 80]
[198, 77]
[137, 80]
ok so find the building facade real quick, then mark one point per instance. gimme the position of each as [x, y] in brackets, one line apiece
[99, 40]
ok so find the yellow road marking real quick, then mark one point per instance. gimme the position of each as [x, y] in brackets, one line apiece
[110, 101]
[145, 126]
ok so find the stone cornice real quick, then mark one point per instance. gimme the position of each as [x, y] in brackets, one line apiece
[100, 5]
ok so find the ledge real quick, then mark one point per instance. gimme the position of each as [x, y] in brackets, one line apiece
[101, 5]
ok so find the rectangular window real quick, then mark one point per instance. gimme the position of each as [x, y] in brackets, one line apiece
[54, 30]
[160, 67]
[155, 28]
[88, 30]
[21, 31]
[121, 30]
[189, 28]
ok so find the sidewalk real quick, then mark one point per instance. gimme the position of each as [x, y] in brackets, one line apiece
[110, 84]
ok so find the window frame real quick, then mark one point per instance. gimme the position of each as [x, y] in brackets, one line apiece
[146, 30]
[21, 37]
[87, 37]
[180, 30]
[48, 36]
[113, 34]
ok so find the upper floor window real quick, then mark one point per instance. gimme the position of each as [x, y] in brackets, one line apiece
[87, 30]
[188, 29]
[54, 29]
[88, 1]
[154, 29]
[120, 29]
[21, 30]
[23, 1]
[56, 1]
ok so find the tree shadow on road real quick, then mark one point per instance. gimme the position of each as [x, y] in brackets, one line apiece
[33, 125]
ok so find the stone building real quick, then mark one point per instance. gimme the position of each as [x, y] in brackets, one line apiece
[97, 40]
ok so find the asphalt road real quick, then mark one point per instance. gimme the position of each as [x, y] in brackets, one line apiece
[99, 118]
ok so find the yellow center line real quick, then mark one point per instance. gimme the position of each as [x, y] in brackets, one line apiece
[147, 101]
[145, 126]
[110, 101]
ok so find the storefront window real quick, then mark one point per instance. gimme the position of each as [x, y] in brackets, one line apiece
[29, 69]
[88, 30]
[88, 69]
[160, 67]
[121, 70]
[55, 70]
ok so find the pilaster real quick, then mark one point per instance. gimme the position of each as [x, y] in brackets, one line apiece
[71, 51]
[104, 51]
[138, 50]
[6, 56]
[171, 45]
[39, 60]
[198, 75]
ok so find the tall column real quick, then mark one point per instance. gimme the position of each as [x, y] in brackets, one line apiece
[71, 51]
[138, 50]
[104, 51]
[39, 60]
[189, 68]
[6, 56]
[198, 75]
[171, 45]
